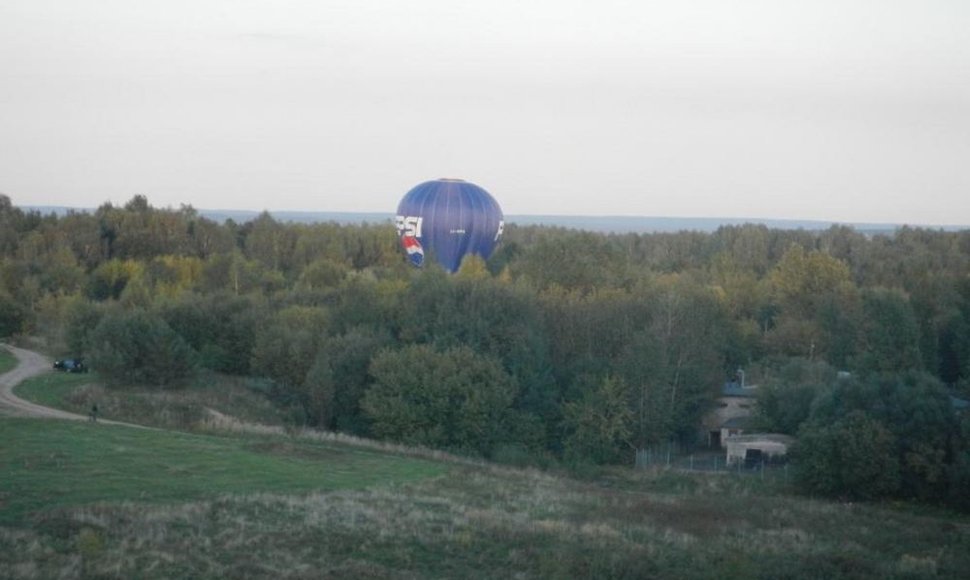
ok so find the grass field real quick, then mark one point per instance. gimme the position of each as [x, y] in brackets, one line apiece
[50, 464]
[91, 500]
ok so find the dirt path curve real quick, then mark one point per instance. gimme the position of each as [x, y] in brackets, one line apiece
[30, 364]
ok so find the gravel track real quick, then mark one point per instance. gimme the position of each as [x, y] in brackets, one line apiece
[30, 364]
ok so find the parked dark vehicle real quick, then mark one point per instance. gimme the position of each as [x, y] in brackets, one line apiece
[71, 365]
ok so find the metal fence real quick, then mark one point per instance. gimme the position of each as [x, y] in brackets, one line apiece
[687, 458]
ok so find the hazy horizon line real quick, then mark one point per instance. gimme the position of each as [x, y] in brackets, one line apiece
[601, 223]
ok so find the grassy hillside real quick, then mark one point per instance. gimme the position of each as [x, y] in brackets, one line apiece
[82, 499]
[53, 464]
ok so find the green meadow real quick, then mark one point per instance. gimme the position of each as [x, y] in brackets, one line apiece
[53, 464]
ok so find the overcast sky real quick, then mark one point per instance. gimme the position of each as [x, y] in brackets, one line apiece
[843, 110]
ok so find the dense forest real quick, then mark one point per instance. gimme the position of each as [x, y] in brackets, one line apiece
[564, 346]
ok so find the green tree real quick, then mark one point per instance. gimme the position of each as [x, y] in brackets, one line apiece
[916, 409]
[600, 425]
[139, 348]
[575, 261]
[495, 319]
[140, 232]
[11, 225]
[221, 327]
[12, 315]
[959, 473]
[455, 399]
[231, 272]
[746, 245]
[953, 342]
[109, 280]
[322, 273]
[689, 327]
[890, 335]
[800, 279]
[785, 400]
[286, 345]
[851, 458]
[339, 377]
[208, 238]
[80, 320]
[269, 242]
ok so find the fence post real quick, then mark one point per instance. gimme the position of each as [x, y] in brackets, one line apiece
[692, 462]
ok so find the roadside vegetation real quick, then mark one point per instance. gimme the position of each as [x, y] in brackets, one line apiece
[189, 409]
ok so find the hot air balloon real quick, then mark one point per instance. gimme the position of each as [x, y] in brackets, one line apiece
[450, 218]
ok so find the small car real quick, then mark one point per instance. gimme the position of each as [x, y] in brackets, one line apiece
[71, 365]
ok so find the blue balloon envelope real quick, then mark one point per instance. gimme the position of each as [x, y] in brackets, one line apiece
[450, 217]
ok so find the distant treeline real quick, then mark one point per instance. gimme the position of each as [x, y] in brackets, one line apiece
[564, 345]
[599, 224]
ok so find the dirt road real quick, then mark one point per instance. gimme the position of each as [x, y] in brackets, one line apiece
[31, 364]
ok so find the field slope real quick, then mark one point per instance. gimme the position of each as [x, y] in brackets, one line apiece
[81, 499]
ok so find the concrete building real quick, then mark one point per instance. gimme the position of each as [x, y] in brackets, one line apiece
[757, 447]
[732, 416]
